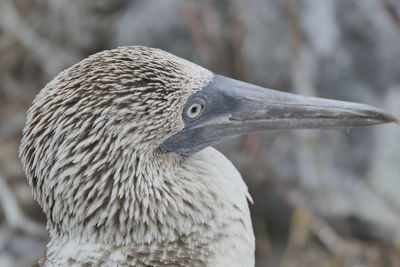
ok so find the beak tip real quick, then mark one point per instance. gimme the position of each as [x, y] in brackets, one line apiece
[378, 115]
[389, 118]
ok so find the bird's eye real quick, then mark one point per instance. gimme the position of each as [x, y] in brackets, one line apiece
[194, 110]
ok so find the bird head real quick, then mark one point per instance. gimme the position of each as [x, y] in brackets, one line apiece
[91, 128]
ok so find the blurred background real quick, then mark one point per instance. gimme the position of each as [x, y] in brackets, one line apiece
[322, 197]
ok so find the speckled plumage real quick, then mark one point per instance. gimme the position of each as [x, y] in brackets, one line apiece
[90, 149]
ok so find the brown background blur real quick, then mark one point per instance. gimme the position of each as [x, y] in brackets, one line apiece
[322, 197]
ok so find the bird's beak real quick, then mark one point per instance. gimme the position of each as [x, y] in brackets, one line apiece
[233, 108]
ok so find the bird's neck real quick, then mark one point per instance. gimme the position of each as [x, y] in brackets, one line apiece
[140, 198]
[187, 205]
[111, 204]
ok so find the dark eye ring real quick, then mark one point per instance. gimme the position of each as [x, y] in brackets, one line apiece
[194, 110]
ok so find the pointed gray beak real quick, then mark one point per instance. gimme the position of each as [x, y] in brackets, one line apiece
[231, 108]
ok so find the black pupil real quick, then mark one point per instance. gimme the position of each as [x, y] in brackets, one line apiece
[193, 109]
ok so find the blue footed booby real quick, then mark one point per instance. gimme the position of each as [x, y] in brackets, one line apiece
[117, 152]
